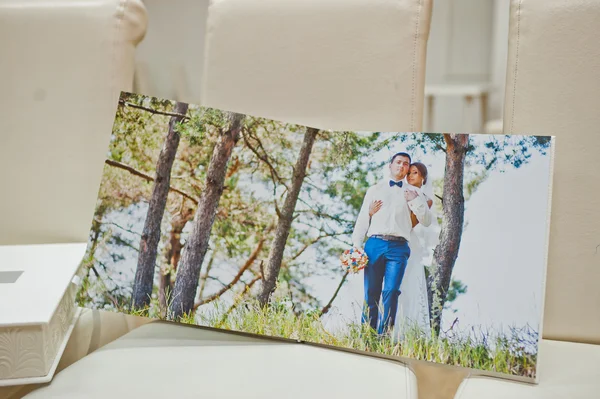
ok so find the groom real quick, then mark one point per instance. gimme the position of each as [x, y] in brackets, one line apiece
[387, 245]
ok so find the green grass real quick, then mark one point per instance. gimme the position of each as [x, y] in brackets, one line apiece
[491, 352]
[503, 354]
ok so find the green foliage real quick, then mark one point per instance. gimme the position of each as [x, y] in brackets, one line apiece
[488, 151]
[473, 182]
[456, 288]
[424, 142]
[266, 157]
[202, 122]
[343, 148]
[352, 188]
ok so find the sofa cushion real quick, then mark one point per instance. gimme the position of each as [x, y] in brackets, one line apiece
[63, 66]
[331, 64]
[566, 370]
[162, 359]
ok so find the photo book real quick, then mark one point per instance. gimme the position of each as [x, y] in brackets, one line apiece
[408, 246]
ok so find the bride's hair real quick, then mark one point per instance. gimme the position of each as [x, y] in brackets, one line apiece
[422, 170]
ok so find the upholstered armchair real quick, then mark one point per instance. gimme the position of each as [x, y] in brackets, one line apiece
[63, 65]
[62, 92]
[553, 88]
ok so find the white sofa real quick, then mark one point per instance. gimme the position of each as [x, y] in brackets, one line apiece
[63, 65]
[552, 88]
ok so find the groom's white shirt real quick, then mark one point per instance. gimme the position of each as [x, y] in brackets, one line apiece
[394, 216]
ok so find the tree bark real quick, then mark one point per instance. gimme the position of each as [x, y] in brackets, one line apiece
[196, 246]
[144, 275]
[173, 254]
[453, 209]
[271, 271]
[90, 256]
[182, 116]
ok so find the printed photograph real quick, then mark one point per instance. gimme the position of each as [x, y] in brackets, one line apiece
[429, 246]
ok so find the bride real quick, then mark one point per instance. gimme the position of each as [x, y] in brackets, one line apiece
[413, 305]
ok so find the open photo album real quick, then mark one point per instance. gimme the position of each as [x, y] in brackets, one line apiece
[408, 246]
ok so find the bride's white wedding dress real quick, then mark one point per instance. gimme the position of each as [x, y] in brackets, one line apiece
[413, 305]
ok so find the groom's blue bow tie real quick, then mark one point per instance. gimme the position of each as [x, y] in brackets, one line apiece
[393, 183]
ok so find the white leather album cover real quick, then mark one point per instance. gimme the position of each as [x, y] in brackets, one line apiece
[408, 246]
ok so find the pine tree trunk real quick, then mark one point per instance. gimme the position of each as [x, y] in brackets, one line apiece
[196, 246]
[453, 209]
[173, 254]
[271, 271]
[144, 274]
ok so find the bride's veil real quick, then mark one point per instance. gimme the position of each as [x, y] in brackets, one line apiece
[430, 234]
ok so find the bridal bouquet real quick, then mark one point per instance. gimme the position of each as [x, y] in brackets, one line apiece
[354, 260]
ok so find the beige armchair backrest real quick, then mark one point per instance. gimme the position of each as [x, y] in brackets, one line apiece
[553, 88]
[63, 65]
[354, 64]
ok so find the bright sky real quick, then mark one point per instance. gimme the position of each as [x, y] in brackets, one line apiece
[503, 253]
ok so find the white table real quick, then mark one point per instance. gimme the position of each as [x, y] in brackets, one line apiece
[37, 309]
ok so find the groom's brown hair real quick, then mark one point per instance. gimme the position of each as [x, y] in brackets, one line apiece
[401, 154]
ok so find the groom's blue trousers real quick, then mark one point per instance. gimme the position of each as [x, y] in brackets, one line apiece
[383, 276]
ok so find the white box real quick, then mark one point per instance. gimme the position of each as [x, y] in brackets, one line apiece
[37, 309]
